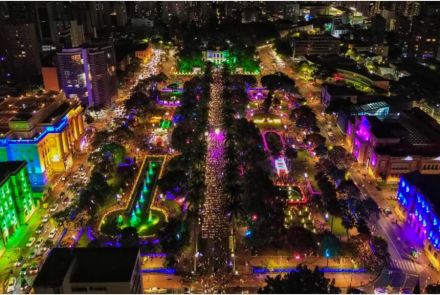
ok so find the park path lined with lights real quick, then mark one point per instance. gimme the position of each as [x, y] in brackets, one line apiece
[214, 224]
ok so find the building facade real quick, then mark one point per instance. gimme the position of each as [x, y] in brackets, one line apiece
[215, 56]
[144, 52]
[16, 199]
[50, 79]
[19, 52]
[45, 131]
[89, 74]
[395, 146]
[418, 207]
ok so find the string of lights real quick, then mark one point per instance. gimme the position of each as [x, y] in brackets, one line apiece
[214, 221]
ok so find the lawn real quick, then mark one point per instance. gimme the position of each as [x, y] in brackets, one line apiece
[338, 228]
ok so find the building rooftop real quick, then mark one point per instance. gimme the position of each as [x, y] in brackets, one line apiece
[34, 111]
[361, 71]
[341, 89]
[418, 134]
[429, 185]
[326, 37]
[10, 168]
[87, 265]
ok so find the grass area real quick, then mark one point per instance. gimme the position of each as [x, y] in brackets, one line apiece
[303, 164]
[338, 228]
[138, 214]
[145, 227]
[83, 240]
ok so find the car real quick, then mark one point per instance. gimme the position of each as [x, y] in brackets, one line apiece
[30, 242]
[39, 229]
[53, 208]
[31, 255]
[45, 218]
[23, 270]
[33, 269]
[380, 290]
[387, 211]
[25, 288]
[52, 233]
[19, 261]
[39, 243]
[12, 281]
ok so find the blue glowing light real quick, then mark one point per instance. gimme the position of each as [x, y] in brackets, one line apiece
[161, 270]
[264, 270]
[49, 129]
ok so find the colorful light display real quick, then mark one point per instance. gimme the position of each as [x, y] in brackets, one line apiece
[214, 223]
[16, 199]
[417, 197]
[281, 167]
[42, 138]
[259, 93]
[139, 212]
[170, 97]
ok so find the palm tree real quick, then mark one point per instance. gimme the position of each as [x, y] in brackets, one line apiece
[234, 210]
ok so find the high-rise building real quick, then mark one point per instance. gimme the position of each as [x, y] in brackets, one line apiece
[53, 23]
[19, 52]
[17, 203]
[408, 9]
[88, 73]
[20, 11]
[119, 14]
[425, 34]
[77, 37]
[43, 130]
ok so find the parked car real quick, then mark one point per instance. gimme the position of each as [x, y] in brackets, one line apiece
[31, 255]
[39, 229]
[19, 261]
[25, 288]
[23, 270]
[39, 243]
[33, 269]
[52, 233]
[45, 218]
[12, 281]
[53, 208]
[30, 242]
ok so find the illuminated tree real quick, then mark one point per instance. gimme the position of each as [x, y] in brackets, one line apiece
[116, 151]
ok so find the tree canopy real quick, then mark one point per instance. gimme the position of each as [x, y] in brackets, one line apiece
[303, 280]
